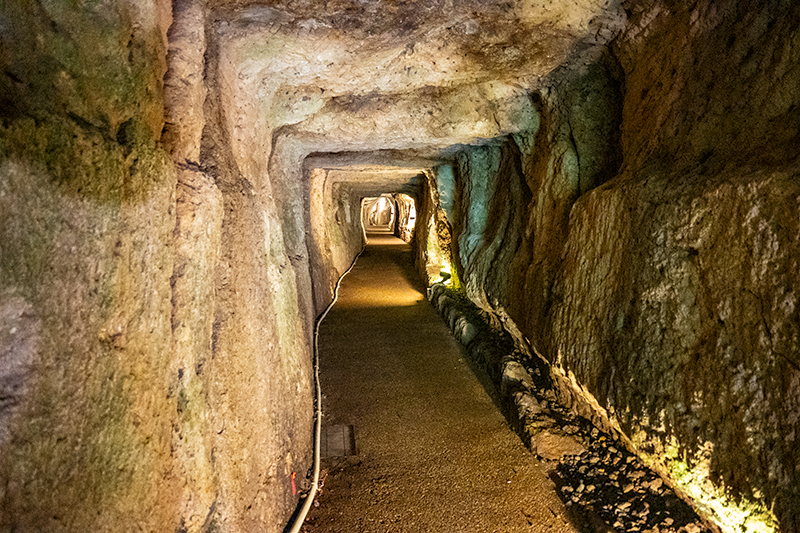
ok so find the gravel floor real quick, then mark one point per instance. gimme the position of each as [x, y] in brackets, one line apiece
[433, 452]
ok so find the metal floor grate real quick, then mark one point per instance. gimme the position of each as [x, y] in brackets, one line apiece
[337, 441]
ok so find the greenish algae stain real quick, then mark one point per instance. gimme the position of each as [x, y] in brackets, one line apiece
[445, 184]
[81, 114]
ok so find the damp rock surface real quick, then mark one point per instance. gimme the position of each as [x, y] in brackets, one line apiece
[86, 218]
[655, 270]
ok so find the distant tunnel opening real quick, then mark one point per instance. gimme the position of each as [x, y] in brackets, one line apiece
[379, 215]
[389, 213]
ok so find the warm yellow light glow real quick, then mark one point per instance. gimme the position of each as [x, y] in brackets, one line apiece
[383, 297]
[732, 517]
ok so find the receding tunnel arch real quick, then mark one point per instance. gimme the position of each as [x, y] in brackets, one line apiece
[335, 186]
[379, 213]
[394, 213]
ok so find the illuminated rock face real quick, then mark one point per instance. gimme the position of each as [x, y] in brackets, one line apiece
[179, 186]
[666, 287]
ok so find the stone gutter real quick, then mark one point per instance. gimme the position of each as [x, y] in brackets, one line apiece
[604, 485]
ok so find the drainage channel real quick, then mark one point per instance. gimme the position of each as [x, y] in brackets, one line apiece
[602, 483]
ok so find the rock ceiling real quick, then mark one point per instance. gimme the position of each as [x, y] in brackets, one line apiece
[389, 77]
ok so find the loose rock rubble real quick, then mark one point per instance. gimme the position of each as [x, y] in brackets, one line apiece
[598, 478]
[613, 484]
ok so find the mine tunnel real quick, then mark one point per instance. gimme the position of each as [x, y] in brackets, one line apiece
[596, 204]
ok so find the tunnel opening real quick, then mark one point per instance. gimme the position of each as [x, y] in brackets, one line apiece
[379, 215]
[394, 213]
[458, 199]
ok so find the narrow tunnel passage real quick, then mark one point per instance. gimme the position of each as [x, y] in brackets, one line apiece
[433, 453]
[614, 186]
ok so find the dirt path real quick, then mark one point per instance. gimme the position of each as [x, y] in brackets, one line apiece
[433, 453]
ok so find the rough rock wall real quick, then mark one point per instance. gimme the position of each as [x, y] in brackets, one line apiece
[406, 216]
[433, 245]
[87, 206]
[197, 239]
[427, 250]
[669, 291]
[709, 210]
[692, 335]
[334, 217]
[153, 368]
[257, 382]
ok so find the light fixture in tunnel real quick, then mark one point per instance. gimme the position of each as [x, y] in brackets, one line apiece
[438, 265]
[446, 273]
